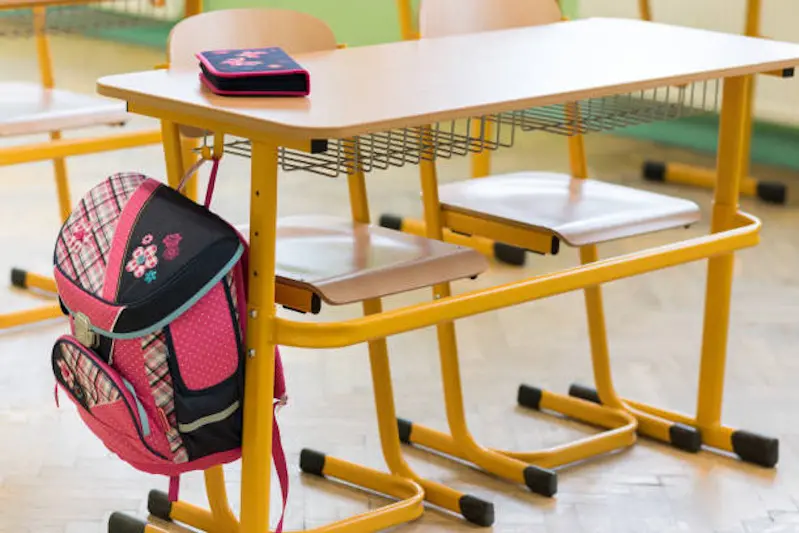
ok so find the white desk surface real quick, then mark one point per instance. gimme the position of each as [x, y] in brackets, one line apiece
[368, 89]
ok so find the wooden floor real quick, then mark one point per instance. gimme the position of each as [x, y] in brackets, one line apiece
[55, 477]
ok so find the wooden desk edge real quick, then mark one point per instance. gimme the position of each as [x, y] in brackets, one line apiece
[264, 129]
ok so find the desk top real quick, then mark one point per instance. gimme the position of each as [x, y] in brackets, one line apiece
[367, 89]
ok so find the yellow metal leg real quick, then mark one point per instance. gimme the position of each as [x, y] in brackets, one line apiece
[406, 20]
[61, 181]
[720, 268]
[173, 153]
[260, 377]
[220, 519]
[684, 431]
[188, 145]
[473, 509]
[645, 10]
[732, 132]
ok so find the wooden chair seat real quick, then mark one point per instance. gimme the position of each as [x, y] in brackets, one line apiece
[579, 212]
[345, 262]
[28, 108]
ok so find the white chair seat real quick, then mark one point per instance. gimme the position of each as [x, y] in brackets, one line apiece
[28, 108]
[579, 212]
[344, 262]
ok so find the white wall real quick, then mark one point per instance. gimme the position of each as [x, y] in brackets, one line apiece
[776, 100]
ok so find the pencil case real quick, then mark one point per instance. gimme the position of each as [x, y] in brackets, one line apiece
[253, 72]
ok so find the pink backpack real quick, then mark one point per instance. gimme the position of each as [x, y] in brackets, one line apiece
[155, 288]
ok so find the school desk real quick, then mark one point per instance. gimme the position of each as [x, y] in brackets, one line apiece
[414, 84]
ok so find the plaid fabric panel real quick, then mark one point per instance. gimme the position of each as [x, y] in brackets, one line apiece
[97, 386]
[85, 240]
[155, 353]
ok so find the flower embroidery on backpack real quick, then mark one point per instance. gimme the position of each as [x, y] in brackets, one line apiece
[172, 243]
[149, 277]
[142, 260]
[147, 239]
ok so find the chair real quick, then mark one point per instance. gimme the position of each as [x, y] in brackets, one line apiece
[37, 109]
[335, 261]
[502, 252]
[539, 210]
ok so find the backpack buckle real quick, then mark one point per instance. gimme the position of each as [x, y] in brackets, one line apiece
[83, 331]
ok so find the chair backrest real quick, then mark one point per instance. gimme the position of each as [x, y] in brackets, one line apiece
[440, 18]
[295, 32]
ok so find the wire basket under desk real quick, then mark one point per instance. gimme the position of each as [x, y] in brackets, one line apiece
[444, 140]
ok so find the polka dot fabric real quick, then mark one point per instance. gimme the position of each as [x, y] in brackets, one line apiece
[204, 360]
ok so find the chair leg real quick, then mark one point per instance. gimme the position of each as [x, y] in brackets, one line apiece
[679, 435]
[473, 509]
[460, 442]
[773, 192]
[24, 280]
[21, 279]
[220, 518]
[481, 167]
[501, 252]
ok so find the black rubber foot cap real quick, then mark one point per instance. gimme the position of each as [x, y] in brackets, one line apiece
[312, 462]
[772, 192]
[18, 278]
[391, 222]
[654, 171]
[685, 438]
[122, 523]
[541, 481]
[405, 427]
[477, 511]
[159, 505]
[529, 397]
[511, 255]
[756, 449]
[588, 394]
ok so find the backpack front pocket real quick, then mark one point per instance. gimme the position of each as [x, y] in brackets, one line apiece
[106, 403]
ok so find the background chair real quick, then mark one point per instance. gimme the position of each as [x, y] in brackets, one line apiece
[481, 164]
[538, 211]
[37, 109]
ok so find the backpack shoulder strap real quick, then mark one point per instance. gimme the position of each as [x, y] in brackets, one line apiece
[281, 468]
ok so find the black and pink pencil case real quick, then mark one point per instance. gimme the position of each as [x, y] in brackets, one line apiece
[253, 72]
